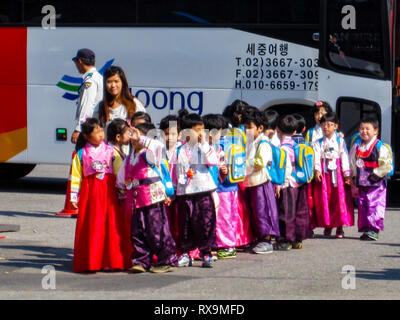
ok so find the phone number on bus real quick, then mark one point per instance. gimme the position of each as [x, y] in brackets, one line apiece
[276, 85]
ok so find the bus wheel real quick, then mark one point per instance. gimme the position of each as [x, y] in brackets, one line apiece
[15, 170]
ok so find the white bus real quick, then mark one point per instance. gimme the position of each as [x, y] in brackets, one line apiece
[198, 54]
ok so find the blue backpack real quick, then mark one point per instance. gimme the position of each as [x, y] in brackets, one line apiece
[304, 165]
[357, 139]
[165, 177]
[234, 146]
[276, 168]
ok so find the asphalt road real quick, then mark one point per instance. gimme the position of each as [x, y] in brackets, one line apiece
[315, 272]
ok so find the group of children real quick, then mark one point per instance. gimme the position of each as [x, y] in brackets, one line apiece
[201, 186]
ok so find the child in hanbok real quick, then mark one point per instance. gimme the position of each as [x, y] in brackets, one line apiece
[169, 126]
[293, 209]
[244, 234]
[150, 232]
[119, 136]
[260, 192]
[227, 210]
[315, 133]
[371, 161]
[271, 118]
[101, 240]
[333, 203]
[190, 172]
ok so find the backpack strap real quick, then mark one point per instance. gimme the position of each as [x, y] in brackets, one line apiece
[80, 155]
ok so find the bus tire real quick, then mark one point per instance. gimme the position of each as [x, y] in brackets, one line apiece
[15, 170]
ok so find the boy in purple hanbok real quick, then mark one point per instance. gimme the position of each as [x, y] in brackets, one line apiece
[371, 161]
[260, 192]
[292, 196]
[195, 185]
[146, 199]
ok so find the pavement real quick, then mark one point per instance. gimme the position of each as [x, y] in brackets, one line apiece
[36, 261]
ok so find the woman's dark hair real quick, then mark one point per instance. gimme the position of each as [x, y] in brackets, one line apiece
[214, 121]
[165, 122]
[117, 126]
[322, 104]
[287, 124]
[371, 120]
[108, 99]
[86, 129]
[234, 112]
[271, 118]
[330, 117]
[301, 122]
[145, 127]
[188, 120]
[253, 115]
[141, 115]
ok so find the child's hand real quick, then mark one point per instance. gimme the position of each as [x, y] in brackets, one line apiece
[318, 176]
[167, 202]
[224, 169]
[278, 191]
[347, 180]
[74, 205]
[202, 137]
[128, 182]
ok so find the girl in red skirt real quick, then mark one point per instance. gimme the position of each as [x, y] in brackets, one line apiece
[101, 240]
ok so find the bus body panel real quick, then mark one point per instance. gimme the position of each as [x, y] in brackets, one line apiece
[201, 69]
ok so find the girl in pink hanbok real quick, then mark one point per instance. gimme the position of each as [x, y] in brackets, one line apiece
[227, 209]
[333, 204]
[101, 238]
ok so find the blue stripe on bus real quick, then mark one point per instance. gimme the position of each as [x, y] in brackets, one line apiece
[70, 96]
[72, 79]
[194, 18]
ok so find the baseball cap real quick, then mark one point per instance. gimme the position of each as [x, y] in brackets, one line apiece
[84, 54]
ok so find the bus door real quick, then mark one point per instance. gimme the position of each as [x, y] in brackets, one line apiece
[355, 62]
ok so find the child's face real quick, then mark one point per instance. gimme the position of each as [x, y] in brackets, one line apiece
[96, 137]
[114, 85]
[269, 133]
[367, 131]
[171, 136]
[214, 136]
[252, 129]
[124, 138]
[196, 133]
[329, 128]
[317, 116]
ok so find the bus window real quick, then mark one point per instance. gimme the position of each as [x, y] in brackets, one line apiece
[351, 110]
[10, 12]
[197, 12]
[81, 12]
[354, 31]
[289, 12]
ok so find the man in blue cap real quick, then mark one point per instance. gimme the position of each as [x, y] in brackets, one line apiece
[91, 90]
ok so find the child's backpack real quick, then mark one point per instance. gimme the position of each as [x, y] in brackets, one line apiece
[276, 168]
[304, 170]
[356, 139]
[165, 177]
[234, 146]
